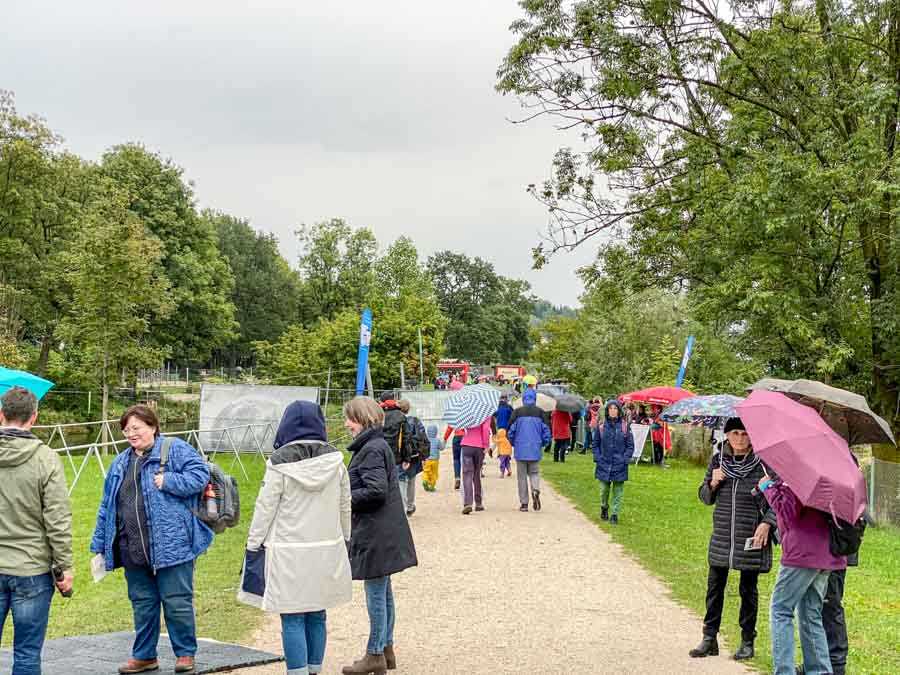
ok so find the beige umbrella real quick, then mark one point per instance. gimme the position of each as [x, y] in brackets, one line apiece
[544, 402]
[846, 413]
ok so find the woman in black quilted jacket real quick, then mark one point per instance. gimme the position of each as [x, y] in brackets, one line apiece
[742, 522]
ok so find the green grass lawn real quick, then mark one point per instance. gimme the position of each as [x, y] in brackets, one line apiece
[666, 527]
[104, 607]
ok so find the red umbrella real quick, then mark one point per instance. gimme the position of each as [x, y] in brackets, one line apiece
[657, 395]
[807, 454]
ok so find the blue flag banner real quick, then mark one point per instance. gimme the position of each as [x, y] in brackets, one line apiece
[365, 337]
[688, 348]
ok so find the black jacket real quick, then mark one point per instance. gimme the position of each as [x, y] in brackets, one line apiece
[736, 516]
[380, 542]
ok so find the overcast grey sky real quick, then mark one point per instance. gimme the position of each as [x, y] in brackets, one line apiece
[293, 111]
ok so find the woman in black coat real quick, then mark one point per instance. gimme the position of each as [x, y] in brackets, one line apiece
[742, 521]
[381, 543]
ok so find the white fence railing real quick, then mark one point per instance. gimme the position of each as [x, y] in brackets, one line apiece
[233, 440]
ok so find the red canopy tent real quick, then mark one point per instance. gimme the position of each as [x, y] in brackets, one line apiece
[657, 395]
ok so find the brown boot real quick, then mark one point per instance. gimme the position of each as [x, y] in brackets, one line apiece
[184, 664]
[370, 663]
[390, 658]
[139, 666]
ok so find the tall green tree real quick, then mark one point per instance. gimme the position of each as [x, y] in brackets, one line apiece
[43, 191]
[200, 278]
[266, 292]
[749, 151]
[337, 267]
[119, 289]
[488, 314]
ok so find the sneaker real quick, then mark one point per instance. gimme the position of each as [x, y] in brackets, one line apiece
[523, 507]
[467, 510]
[536, 499]
[614, 519]
[604, 513]
[456, 484]
[479, 508]
[410, 510]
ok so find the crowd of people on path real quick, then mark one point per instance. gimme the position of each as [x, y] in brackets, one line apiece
[318, 524]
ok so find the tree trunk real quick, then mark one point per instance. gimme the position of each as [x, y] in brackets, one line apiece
[44, 358]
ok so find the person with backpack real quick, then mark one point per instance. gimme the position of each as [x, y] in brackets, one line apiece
[300, 536]
[806, 563]
[416, 438]
[147, 524]
[740, 514]
[613, 448]
[528, 434]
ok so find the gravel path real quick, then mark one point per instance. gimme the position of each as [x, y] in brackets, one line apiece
[507, 592]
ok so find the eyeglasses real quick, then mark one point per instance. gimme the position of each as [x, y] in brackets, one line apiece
[134, 430]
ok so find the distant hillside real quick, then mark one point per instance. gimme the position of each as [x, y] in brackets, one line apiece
[544, 310]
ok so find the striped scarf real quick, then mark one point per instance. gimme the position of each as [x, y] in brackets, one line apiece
[737, 469]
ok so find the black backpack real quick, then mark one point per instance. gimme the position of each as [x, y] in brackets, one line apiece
[222, 509]
[845, 538]
[420, 445]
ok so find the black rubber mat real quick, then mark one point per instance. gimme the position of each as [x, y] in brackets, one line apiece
[103, 654]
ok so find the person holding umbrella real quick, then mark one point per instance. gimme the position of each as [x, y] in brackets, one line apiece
[740, 514]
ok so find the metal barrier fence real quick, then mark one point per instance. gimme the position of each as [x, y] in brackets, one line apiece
[884, 491]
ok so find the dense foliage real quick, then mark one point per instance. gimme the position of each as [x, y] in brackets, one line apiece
[741, 152]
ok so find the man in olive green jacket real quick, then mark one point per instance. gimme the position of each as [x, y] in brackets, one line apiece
[35, 528]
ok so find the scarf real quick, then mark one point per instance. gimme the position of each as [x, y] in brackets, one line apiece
[737, 469]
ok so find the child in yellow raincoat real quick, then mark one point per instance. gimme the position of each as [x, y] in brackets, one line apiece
[504, 452]
[430, 472]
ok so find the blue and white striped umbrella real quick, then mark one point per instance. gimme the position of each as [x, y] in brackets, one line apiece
[471, 406]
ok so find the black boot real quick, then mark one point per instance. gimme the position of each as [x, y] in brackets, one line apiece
[745, 651]
[604, 513]
[614, 519]
[709, 646]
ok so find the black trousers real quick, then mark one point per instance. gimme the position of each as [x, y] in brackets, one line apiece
[715, 600]
[658, 453]
[560, 446]
[835, 623]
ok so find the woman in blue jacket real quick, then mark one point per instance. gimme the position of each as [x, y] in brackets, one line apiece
[146, 524]
[613, 449]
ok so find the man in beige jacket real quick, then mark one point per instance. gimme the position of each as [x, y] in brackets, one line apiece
[35, 529]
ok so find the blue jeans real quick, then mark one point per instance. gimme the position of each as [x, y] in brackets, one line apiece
[804, 590]
[380, 603]
[172, 589]
[29, 599]
[457, 456]
[303, 638]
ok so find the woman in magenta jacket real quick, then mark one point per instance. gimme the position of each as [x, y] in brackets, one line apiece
[474, 443]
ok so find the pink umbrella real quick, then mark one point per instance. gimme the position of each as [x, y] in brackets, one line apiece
[657, 395]
[808, 456]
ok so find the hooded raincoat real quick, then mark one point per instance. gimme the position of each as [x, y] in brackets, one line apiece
[613, 447]
[302, 518]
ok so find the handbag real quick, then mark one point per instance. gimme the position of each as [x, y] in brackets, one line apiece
[254, 580]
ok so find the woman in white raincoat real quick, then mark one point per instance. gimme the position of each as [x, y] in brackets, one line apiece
[297, 563]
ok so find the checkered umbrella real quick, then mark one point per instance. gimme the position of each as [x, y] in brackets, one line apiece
[471, 406]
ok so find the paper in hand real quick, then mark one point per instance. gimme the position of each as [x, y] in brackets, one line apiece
[98, 567]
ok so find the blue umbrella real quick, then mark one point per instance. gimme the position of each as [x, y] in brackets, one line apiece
[19, 378]
[471, 406]
[708, 410]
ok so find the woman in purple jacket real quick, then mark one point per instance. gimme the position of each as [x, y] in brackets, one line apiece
[806, 563]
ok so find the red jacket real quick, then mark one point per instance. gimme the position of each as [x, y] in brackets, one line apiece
[561, 425]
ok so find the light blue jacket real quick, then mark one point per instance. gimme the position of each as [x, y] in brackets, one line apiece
[176, 534]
